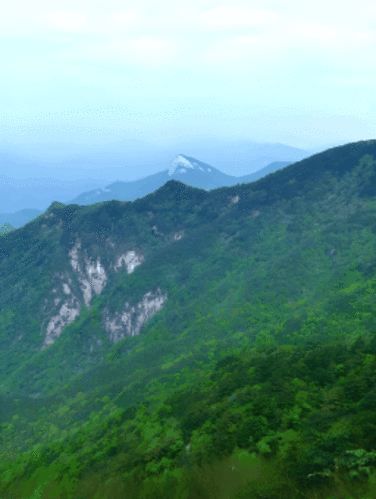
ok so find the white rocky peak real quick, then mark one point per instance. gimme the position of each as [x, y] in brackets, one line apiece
[180, 163]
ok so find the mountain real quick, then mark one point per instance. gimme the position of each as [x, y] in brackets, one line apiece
[184, 168]
[44, 174]
[5, 228]
[40, 178]
[120, 159]
[142, 341]
[39, 192]
[235, 157]
[19, 218]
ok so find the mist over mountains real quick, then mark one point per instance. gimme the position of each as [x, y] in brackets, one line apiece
[183, 168]
[29, 185]
[132, 160]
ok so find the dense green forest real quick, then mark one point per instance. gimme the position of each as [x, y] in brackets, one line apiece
[256, 381]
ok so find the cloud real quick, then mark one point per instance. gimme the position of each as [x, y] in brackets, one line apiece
[68, 20]
[122, 50]
[236, 16]
[189, 65]
[328, 33]
[285, 39]
[338, 81]
[147, 44]
[123, 18]
[232, 49]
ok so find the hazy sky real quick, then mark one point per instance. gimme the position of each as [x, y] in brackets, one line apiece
[90, 72]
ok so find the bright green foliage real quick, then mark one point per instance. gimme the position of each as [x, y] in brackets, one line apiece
[255, 380]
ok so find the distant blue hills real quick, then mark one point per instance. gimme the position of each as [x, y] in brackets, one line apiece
[186, 169]
[90, 178]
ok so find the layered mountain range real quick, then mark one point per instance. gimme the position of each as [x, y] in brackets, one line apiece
[124, 301]
[184, 168]
[34, 184]
[56, 267]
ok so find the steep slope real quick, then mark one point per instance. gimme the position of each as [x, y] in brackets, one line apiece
[95, 350]
[5, 228]
[105, 270]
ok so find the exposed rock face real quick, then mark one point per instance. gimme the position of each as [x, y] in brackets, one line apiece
[67, 313]
[129, 321]
[234, 200]
[178, 235]
[131, 261]
[92, 278]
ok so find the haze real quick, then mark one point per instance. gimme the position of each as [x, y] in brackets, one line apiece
[92, 77]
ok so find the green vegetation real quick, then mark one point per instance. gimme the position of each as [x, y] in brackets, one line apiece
[255, 380]
[6, 228]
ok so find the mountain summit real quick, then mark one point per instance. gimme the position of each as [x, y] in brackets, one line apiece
[180, 164]
[186, 169]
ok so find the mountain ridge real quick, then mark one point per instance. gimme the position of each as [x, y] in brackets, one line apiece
[129, 191]
[84, 275]
[185, 168]
[94, 352]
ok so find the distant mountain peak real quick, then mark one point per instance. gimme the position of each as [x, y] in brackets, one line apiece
[181, 163]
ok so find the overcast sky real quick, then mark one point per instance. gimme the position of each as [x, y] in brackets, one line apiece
[80, 72]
